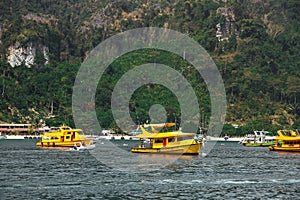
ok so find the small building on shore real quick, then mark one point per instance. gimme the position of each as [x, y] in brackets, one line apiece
[18, 129]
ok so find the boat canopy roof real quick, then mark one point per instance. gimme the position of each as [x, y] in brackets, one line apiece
[62, 130]
[158, 128]
[159, 125]
[163, 135]
[288, 135]
[155, 131]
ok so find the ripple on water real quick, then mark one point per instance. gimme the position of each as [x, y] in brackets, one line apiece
[229, 171]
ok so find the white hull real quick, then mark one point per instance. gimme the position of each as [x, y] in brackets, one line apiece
[22, 137]
[112, 137]
[222, 139]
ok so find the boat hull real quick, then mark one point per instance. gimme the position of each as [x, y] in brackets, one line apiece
[193, 149]
[63, 144]
[264, 144]
[290, 149]
[22, 137]
[222, 139]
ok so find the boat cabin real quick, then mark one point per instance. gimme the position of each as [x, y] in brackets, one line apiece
[159, 141]
[288, 138]
[164, 138]
[63, 134]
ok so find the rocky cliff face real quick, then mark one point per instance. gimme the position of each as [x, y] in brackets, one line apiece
[226, 28]
[18, 55]
[0, 34]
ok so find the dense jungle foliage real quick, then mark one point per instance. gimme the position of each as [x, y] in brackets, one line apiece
[259, 62]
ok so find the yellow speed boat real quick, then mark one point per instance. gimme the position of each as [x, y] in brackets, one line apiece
[155, 138]
[63, 136]
[286, 140]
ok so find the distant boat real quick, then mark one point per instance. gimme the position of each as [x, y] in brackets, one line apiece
[286, 140]
[111, 135]
[258, 139]
[226, 137]
[22, 137]
[166, 141]
[115, 137]
[135, 132]
[2, 137]
[222, 139]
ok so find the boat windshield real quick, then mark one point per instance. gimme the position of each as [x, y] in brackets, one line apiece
[80, 132]
[54, 129]
[65, 128]
[290, 133]
[287, 133]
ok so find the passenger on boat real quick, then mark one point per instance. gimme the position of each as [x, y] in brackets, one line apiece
[146, 144]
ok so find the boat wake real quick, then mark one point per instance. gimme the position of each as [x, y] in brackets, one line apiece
[78, 146]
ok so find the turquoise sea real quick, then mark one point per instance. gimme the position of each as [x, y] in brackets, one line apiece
[228, 171]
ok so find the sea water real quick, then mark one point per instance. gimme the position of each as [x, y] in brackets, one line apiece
[228, 171]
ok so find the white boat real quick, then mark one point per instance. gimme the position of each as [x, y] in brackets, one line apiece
[22, 137]
[2, 137]
[116, 137]
[223, 139]
[135, 132]
[258, 139]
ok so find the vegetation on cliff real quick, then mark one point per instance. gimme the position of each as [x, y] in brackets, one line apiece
[257, 55]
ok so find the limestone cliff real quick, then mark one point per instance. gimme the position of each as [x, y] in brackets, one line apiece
[18, 55]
